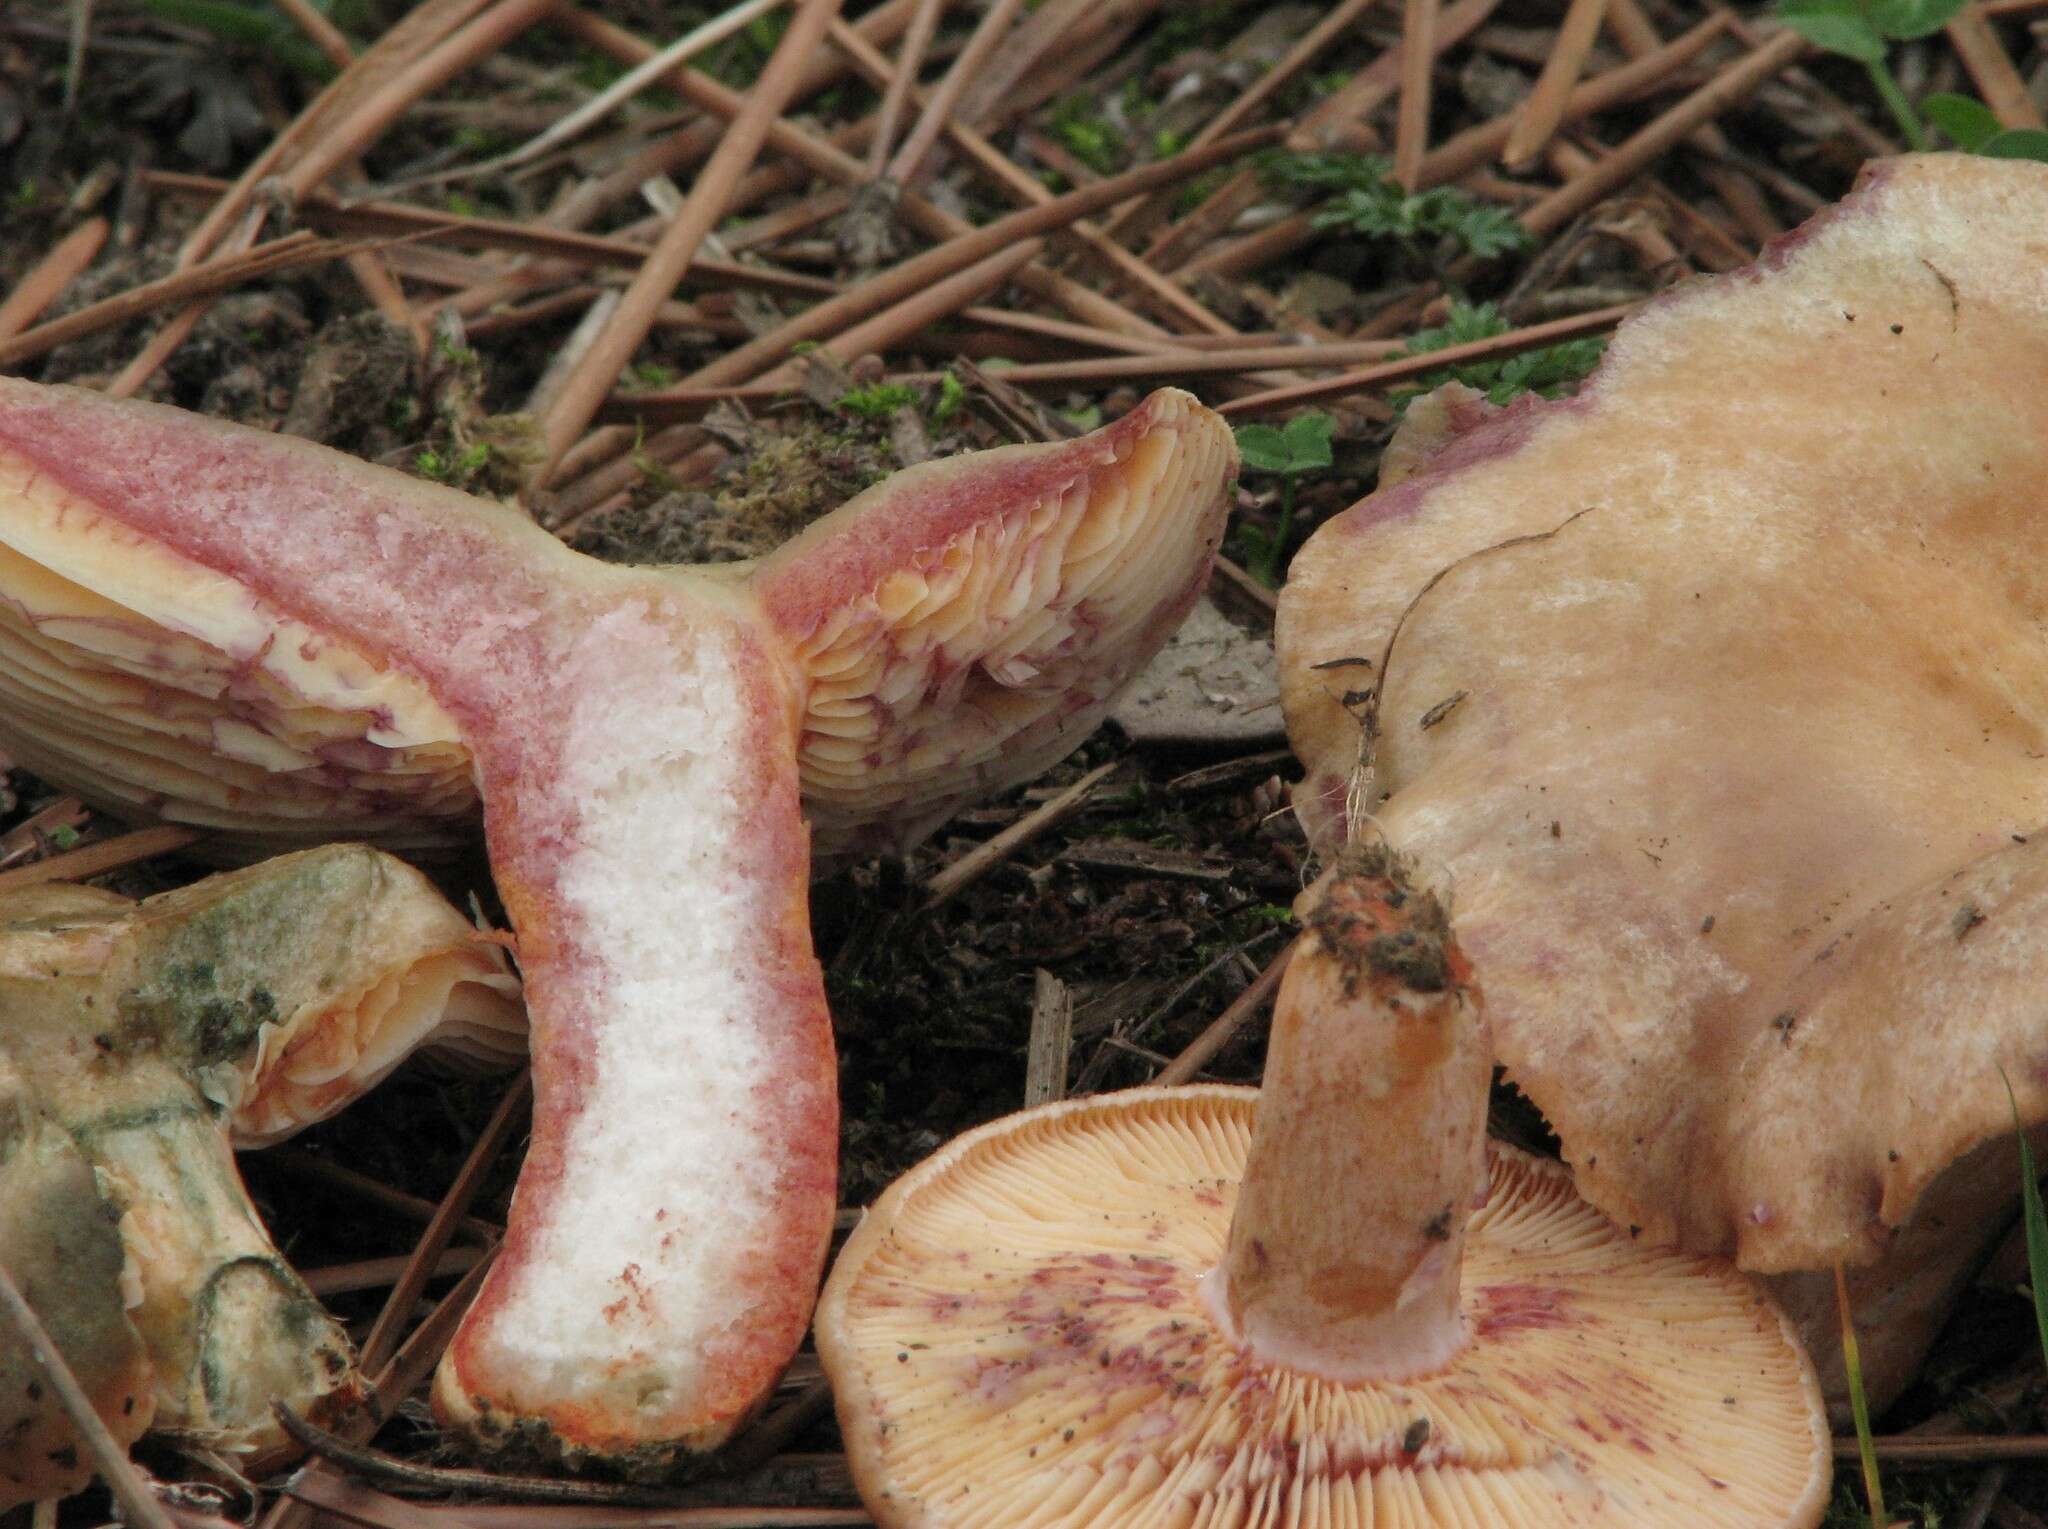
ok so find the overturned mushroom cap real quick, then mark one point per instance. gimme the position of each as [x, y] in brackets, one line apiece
[338, 644]
[323, 971]
[1719, 690]
[244, 1006]
[1016, 1338]
[59, 1244]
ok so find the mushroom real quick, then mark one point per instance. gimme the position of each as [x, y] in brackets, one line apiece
[1718, 689]
[59, 1244]
[214, 625]
[234, 1010]
[1207, 1305]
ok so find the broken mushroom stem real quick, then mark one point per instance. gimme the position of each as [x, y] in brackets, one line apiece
[1376, 1077]
[157, 1035]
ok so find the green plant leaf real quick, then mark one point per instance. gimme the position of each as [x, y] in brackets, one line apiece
[1904, 20]
[1308, 440]
[1263, 448]
[2017, 143]
[1969, 123]
[1835, 28]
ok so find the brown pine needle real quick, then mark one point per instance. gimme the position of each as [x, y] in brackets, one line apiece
[921, 271]
[1610, 174]
[382, 1273]
[1909, 1450]
[1418, 65]
[951, 880]
[921, 310]
[397, 219]
[321, 32]
[1168, 298]
[584, 390]
[139, 1505]
[909, 61]
[1203, 1048]
[52, 274]
[1544, 109]
[1326, 126]
[1407, 368]
[938, 110]
[505, 1119]
[97, 859]
[301, 248]
[1991, 69]
[343, 121]
[1466, 151]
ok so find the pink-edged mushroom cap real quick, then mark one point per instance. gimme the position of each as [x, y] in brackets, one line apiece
[1212, 1306]
[242, 630]
[1718, 690]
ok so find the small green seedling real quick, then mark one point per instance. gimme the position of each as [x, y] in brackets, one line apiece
[1366, 199]
[1549, 371]
[878, 401]
[1864, 30]
[952, 395]
[1974, 129]
[1300, 446]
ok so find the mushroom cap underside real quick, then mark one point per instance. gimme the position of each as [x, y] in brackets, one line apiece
[1718, 689]
[1015, 1338]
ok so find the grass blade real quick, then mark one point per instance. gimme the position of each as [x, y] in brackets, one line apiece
[1852, 1362]
[2035, 1219]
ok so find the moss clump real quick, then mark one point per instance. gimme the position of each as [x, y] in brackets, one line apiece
[780, 479]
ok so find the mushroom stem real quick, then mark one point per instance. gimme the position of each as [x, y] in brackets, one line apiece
[1369, 1153]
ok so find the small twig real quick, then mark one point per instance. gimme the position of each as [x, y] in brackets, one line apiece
[950, 881]
[1203, 1048]
[1052, 1039]
[1327, 126]
[1475, 145]
[97, 859]
[138, 1504]
[53, 273]
[1543, 110]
